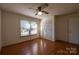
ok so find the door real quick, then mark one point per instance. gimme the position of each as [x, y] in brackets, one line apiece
[74, 29]
[61, 28]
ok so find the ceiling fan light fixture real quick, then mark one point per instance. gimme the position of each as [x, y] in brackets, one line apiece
[40, 13]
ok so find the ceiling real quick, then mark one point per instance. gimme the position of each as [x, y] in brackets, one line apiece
[53, 8]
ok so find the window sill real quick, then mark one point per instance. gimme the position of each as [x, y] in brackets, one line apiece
[28, 35]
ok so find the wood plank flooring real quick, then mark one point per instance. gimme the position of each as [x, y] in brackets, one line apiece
[41, 47]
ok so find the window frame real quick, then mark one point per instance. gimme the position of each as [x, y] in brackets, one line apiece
[29, 30]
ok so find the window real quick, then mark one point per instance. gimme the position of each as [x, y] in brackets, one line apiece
[28, 27]
[25, 26]
[33, 28]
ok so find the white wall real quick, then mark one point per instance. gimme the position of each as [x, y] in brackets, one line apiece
[0, 29]
[11, 28]
[53, 28]
[47, 28]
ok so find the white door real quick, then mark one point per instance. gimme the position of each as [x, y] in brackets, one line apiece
[74, 29]
[61, 28]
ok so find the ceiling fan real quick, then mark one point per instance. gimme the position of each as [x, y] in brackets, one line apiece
[39, 10]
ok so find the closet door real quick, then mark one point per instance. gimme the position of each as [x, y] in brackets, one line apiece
[74, 29]
[61, 28]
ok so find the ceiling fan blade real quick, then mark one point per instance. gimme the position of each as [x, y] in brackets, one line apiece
[36, 14]
[45, 12]
[32, 8]
[44, 5]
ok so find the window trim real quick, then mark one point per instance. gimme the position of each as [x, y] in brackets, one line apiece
[30, 32]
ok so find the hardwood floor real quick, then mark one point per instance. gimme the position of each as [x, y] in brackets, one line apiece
[41, 47]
